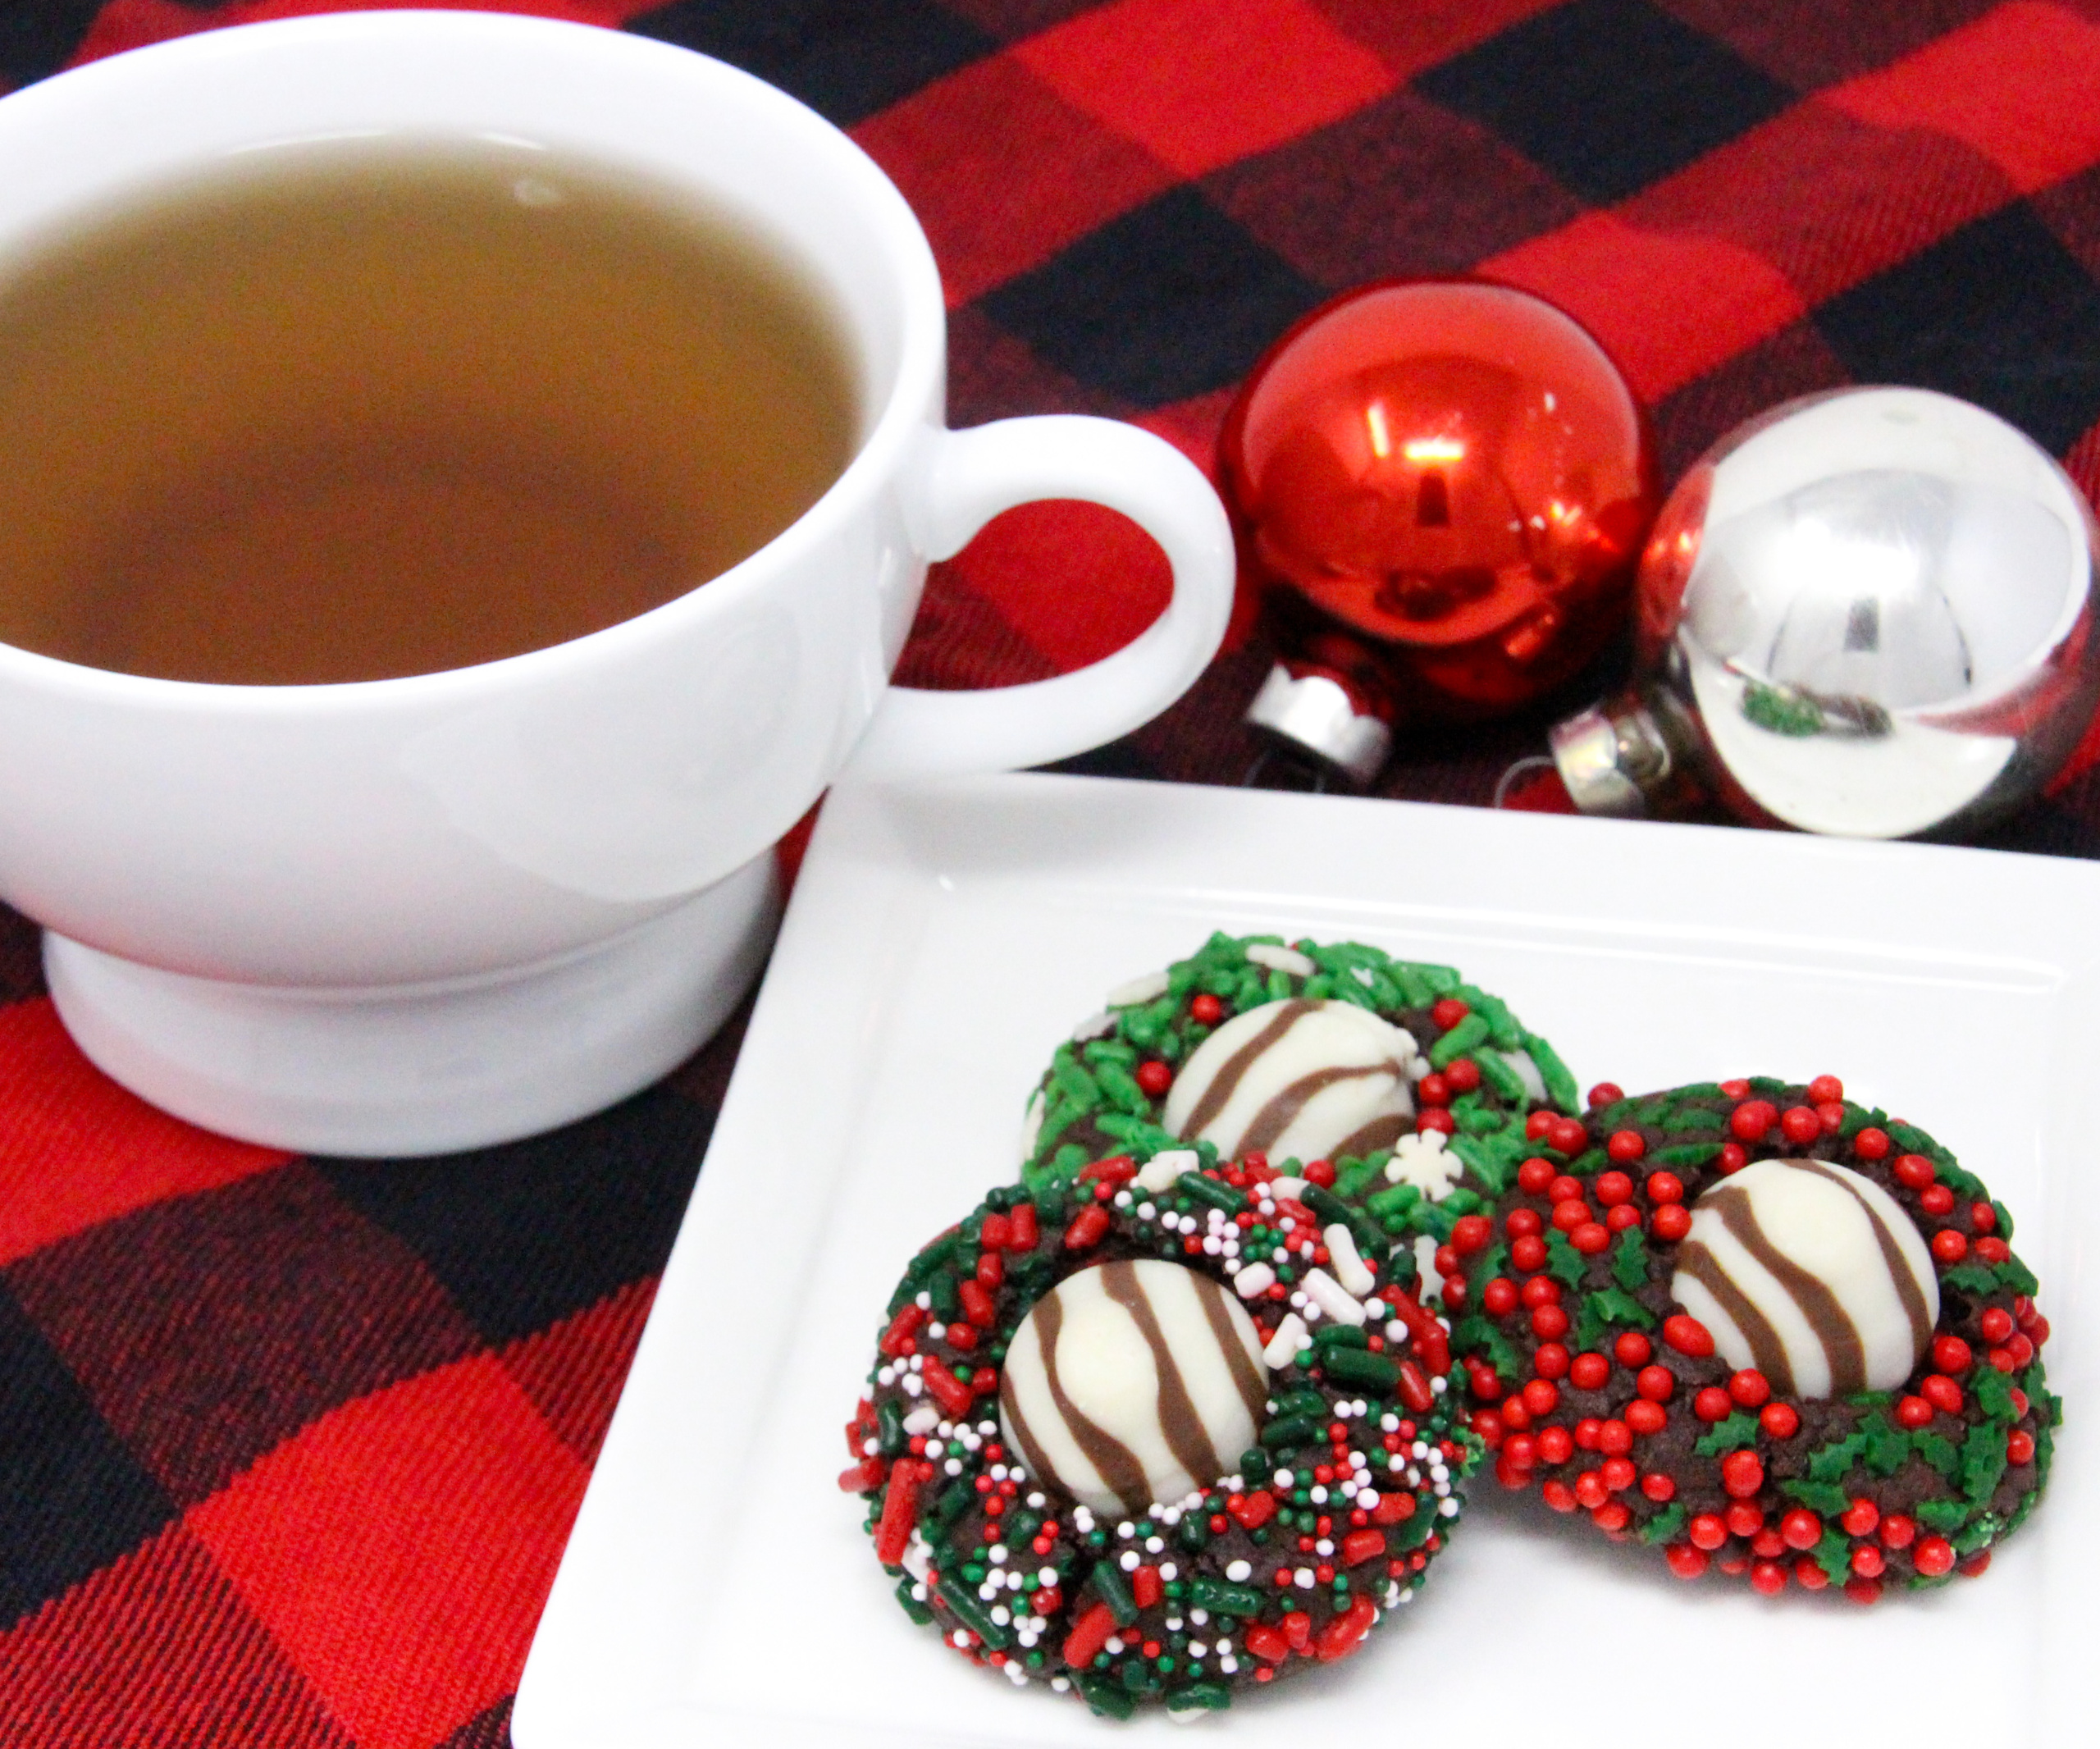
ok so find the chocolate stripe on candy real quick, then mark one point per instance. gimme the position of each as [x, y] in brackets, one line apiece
[1132, 1383]
[1297, 1080]
[1811, 1273]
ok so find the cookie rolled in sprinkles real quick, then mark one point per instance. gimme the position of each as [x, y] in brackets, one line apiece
[1297, 1052]
[1056, 1371]
[1764, 1330]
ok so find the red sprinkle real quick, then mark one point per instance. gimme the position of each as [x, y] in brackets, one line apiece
[1750, 1388]
[901, 1508]
[1751, 1120]
[1950, 1245]
[1686, 1561]
[1743, 1474]
[1934, 1557]
[1343, 1635]
[1022, 1234]
[1604, 1094]
[1146, 1588]
[1117, 1169]
[1153, 1077]
[1780, 1420]
[1362, 1545]
[1206, 1010]
[953, 1395]
[1088, 1226]
[1091, 1633]
[1671, 1222]
[1625, 1146]
[1665, 1187]
[1645, 1416]
[1826, 1088]
[1871, 1143]
[1915, 1171]
[909, 1317]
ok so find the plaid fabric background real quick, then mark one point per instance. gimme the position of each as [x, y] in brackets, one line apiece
[289, 1447]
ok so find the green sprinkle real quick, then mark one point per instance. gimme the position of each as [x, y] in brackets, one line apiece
[1665, 1524]
[1494, 1070]
[1214, 1696]
[1110, 1587]
[913, 1606]
[1107, 1698]
[1222, 1597]
[1563, 1261]
[1211, 1191]
[1825, 1497]
[1739, 1431]
[1357, 1366]
[1471, 1031]
[1288, 1431]
[1560, 1087]
[1629, 1261]
[1835, 1461]
[963, 1605]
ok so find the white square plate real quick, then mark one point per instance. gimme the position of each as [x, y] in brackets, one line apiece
[718, 1589]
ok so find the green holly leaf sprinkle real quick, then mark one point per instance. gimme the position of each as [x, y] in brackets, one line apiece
[1733, 1434]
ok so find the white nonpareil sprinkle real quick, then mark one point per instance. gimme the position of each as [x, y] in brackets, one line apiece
[1304, 1579]
[1128, 1560]
[1282, 1347]
[1285, 1478]
[1449, 1508]
[1293, 1188]
[1332, 1298]
[1238, 1571]
[1288, 960]
[1166, 1166]
[1349, 1268]
[912, 1384]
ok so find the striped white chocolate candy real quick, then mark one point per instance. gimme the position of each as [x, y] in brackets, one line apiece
[1812, 1274]
[1296, 1080]
[1132, 1383]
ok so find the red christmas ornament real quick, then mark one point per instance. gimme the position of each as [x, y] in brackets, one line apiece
[1447, 485]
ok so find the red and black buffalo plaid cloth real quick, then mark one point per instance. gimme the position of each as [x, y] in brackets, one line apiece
[289, 1447]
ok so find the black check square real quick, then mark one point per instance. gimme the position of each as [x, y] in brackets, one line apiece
[1169, 301]
[72, 1499]
[38, 40]
[846, 59]
[525, 1234]
[1997, 312]
[1609, 95]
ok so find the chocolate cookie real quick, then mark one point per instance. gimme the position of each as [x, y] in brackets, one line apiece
[1157, 1431]
[1764, 1329]
[1324, 1059]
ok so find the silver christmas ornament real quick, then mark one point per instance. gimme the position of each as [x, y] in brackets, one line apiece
[1868, 613]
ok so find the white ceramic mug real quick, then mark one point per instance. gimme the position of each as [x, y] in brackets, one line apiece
[412, 915]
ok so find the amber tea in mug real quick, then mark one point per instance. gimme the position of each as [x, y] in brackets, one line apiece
[359, 409]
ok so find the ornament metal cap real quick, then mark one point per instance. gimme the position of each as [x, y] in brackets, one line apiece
[1314, 715]
[1623, 757]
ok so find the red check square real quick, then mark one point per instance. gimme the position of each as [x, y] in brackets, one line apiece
[574, 1371]
[1173, 75]
[75, 1149]
[155, 1652]
[2021, 85]
[1666, 306]
[400, 1549]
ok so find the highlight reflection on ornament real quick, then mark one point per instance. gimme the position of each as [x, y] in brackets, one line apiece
[1454, 470]
[1869, 612]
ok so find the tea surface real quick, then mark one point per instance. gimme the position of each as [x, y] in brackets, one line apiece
[369, 409]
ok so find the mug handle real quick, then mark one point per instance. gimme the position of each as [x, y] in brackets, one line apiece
[973, 475]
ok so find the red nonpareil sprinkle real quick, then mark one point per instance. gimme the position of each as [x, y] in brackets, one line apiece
[1590, 1238]
[1541, 1397]
[1743, 1519]
[1090, 1636]
[1533, 1178]
[1825, 1089]
[1832, 1116]
[1742, 1474]
[1613, 1189]
[1861, 1518]
[1750, 1120]
[1498, 1298]
[1937, 1200]
[1632, 1350]
[1934, 1557]
[1536, 1126]
[1951, 1354]
[1319, 1172]
[1997, 1324]
[1463, 1075]
[1767, 1578]
[1915, 1171]
[1448, 1012]
[1589, 1372]
[1645, 1416]
[2018, 1446]
[1252, 1511]
[1088, 1226]
[1571, 1135]
[1655, 1384]
[1871, 1143]
[1559, 1496]
[1942, 1393]
[1750, 1388]
[1686, 1561]
[1735, 1089]
[1549, 1322]
[1432, 1090]
[1604, 1094]
[1800, 1125]
[1898, 1531]
[1983, 1218]
[1206, 1010]
[1671, 1222]
[1624, 1147]
[1556, 1444]
[1550, 1360]
[909, 1317]
[1665, 1187]
[1022, 1233]
[1541, 1290]
[1442, 1123]
[1950, 1244]
[1779, 1420]
[1801, 1529]
[1471, 1233]
[1993, 1250]
[1734, 1157]
[1708, 1531]
[1914, 1411]
[1154, 1078]
[1659, 1487]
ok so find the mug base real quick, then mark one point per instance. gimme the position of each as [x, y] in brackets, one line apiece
[430, 1068]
